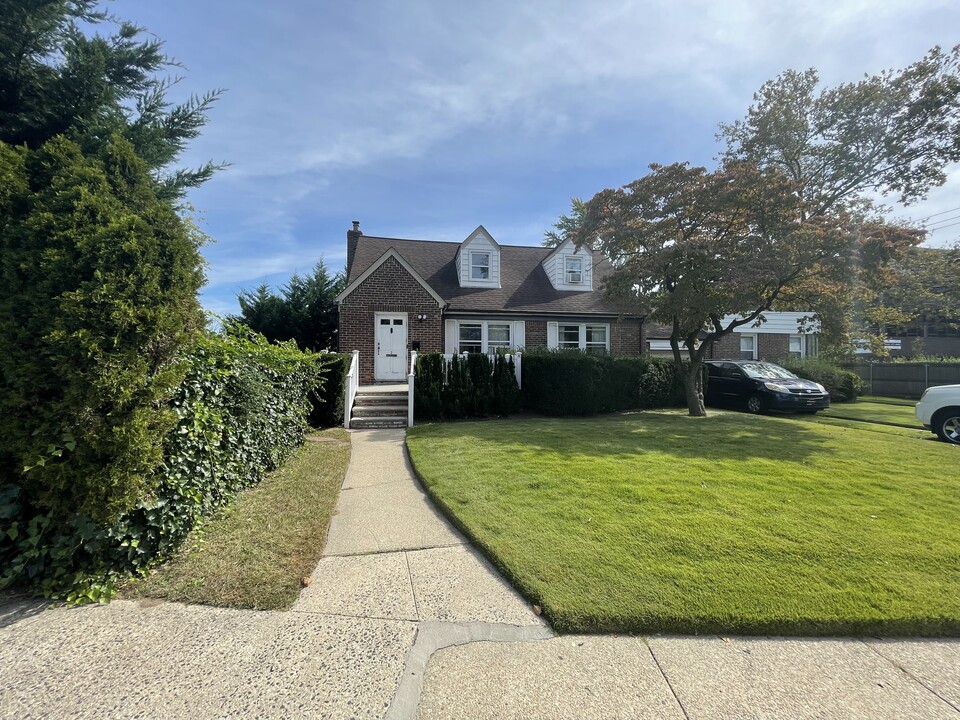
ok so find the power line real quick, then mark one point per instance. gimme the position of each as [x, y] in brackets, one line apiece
[924, 219]
[940, 222]
[943, 227]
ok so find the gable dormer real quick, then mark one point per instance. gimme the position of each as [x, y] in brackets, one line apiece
[569, 268]
[478, 260]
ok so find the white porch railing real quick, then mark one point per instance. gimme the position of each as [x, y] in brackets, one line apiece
[410, 382]
[350, 388]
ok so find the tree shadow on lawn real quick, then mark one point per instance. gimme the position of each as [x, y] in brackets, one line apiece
[719, 436]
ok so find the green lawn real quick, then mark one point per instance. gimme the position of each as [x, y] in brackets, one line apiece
[255, 553]
[888, 400]
[875, 412]
[657, 522]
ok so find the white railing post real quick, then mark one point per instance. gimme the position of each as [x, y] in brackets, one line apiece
[410, 382]
[350, 388]
[516, 368]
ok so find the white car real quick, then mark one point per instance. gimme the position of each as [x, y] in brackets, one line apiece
[939, 411]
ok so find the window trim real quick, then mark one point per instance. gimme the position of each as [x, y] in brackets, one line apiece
[802, 351]
[473, 266]
[485, 347]
[582, 335]
[567, 259]
[754, 350]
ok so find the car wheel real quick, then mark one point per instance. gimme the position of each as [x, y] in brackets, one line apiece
[946, 424]
[755, 404]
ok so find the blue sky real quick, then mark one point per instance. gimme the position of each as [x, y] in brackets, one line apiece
[424, 119]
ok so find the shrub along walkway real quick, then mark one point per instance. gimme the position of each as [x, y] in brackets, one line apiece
[401, 603]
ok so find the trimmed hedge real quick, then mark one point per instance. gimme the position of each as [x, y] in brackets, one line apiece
[570, 382]
[843, 385]
[240, 412]
[467, 386]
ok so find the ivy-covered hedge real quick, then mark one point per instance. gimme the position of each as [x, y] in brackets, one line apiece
[467, 386]
[240, 412]
[570, 382]
[843, 385]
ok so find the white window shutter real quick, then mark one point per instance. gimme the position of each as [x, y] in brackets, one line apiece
[553, 333]
[450, 336]
[519, 339]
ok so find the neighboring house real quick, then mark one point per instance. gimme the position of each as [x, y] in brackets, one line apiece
[784, 334]
[923, 338]
[473, 296]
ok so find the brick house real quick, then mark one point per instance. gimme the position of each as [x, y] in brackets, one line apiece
[479, 296]
[473, 296]
[784, 334]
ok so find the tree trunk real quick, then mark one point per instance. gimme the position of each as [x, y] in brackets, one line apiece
[693, 384]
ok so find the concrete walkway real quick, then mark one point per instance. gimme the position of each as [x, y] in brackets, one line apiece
[404, 619]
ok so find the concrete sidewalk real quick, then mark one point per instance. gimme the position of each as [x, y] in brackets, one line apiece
[404, 619]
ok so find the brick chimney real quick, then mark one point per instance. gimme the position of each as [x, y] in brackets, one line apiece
[353, 236]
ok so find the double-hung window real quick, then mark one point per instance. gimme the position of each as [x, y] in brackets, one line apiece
[498, 336]
[484, 336]
[796, 346]
[569, 337]
[748, 347]
[596, 340]
[479, 266]
[471, 337]
[591, 338]
[573, 270]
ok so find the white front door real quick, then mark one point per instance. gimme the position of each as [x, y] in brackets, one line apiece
[391, 358]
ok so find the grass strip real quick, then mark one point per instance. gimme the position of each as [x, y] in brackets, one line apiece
[254, 553]
[887, 400]
[875, 412]
[658, 522]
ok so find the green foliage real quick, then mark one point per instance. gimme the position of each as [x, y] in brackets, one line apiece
[100, 281]
[505, 394]
[570, 382]
[327, 402]
[238, 414]
[843, 385]
[428, 386]
[469, 386]
[56, 79]
[926, 360]
[305, 310]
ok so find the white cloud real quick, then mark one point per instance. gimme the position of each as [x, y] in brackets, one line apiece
[421, 72]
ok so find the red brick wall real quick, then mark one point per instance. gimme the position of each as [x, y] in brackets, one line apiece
[770, 346]
[773, 347]
[625, 338]
[535, 333]
[390, 288]
[727, 347]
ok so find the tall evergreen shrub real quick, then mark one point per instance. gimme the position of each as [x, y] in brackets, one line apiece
[100, 281]
[428, 387]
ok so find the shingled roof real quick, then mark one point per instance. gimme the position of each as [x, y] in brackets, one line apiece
[524, 286]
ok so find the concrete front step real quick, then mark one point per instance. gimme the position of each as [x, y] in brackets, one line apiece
[380, 410]
[376, 423]
[380, 399]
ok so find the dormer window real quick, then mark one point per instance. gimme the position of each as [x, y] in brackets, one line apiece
[479, 266]
[573, 270]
